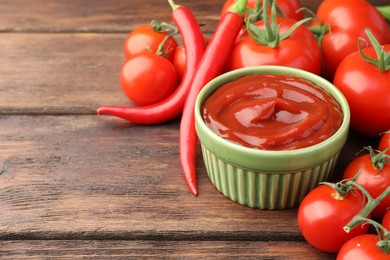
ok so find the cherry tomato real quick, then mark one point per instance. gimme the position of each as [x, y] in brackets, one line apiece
[347, 20]
[144, 38]
[299, 50]
[179, 61]
[323, 213]
[148, 78]
[366, 89]
[386, 220]
[384, 142]
[362, 247]
[371, 179]
[288, 7]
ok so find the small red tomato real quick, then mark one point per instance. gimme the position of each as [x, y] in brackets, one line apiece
[179, 61]
[148, 78]
[384, 142]
[386, 220]
[374, 180]
[145, 38]
[324, 212]
[362, 247]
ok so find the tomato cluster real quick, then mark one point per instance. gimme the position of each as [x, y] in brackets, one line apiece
[325, 43]
[347, 42]
[326, 210]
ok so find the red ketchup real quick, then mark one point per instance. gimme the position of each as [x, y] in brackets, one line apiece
[272, 112]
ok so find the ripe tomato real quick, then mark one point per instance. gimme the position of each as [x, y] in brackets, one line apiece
[145, 38]
[384, 142]
[347, 20]
[147, 78]
[371, 179]
[288, 7]
[323, 213]
[366, 89]
[386, 220]
[179, 61]
[299, 50]
[362, 247]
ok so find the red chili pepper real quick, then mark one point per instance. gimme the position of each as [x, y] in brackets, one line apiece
[211, 65]
[172, 106]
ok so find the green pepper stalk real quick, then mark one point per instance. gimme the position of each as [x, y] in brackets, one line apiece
[269, 36]
[383, 61]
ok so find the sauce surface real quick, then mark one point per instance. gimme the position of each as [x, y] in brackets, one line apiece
[272, 112]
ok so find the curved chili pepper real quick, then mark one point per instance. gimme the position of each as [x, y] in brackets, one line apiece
[211, 65]
[172, 106]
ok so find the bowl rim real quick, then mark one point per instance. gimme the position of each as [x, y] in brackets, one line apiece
[325, 149]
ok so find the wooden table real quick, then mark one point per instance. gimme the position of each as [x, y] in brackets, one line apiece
[74, 184]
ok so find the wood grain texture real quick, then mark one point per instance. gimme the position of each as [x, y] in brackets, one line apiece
[77, 185]
[147, 249]
[113, 179]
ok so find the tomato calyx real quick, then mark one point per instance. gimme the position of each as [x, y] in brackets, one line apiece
[318, 30]
[378, 158]
[383, 57]
[269, 36]
[343, 187]
[163, 27]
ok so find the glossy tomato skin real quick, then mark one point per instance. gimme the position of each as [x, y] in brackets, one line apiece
[144, 38]
[289, 7]
[299, 50]
[179, 61]
[348, 19]
[147, 78]
[367, 92]
[375, 183]
[384, 142]
[362, 247]
[321, 217]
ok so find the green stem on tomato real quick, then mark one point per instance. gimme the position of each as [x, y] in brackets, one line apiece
[319, 30]
[385, 11]
[371, 204]
[378, 158]
[163, 27]
[383, 61]
[384, 235]
[269, 36]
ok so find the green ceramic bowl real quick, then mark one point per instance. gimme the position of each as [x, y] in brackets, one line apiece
[268, 179]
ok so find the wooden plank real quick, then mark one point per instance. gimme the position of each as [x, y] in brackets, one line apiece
[95, 16]
[103, 249]
[68, 71]
[90, 177]
[104, 15]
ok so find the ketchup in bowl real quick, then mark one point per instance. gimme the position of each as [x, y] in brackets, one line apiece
[272, 112]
